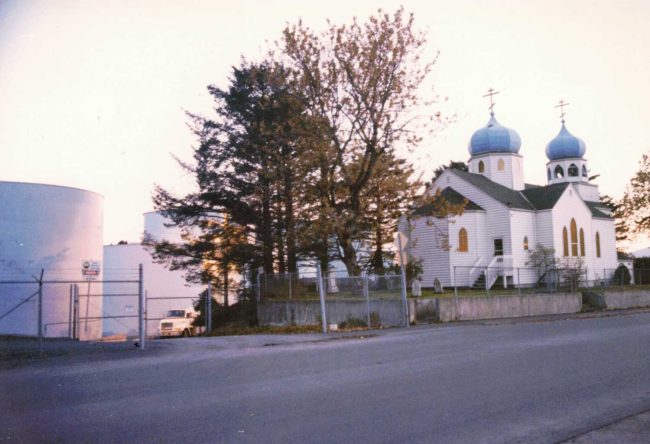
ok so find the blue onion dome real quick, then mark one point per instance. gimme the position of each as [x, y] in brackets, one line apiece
[494, 138]
[565, 146]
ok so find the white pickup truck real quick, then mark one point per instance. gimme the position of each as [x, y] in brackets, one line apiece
[178, 323]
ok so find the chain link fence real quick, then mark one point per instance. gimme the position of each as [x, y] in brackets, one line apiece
[332, 301]
[57, 303]
[493, 281]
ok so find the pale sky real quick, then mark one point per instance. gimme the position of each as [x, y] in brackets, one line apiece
[93, 93]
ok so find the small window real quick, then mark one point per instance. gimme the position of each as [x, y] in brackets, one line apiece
[574, 238]
[481, 166]
[565, 242]
[584, 171]
[559, 172]
[462, 240]
[582, 242]
[525, 242]
[573, 170]
[498, 247]
[501, 165]
[548, 173]
[597, 244]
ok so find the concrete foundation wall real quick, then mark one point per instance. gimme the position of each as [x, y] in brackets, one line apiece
[495, 307]
[618, 299]
[390, 312]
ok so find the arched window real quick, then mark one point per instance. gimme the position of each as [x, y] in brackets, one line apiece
[573, 170]
[582, 242]
[501, 165]
[525, 242]
[597, 244]
[548, 173]
[584, 171]
[559, 172]
[565, 241]
[574, 238]
[481, 166]
[462, 240]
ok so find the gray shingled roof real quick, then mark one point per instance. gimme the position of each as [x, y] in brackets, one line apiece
[595, 212]
[505, 195]
[545, 198]
[533, 197]
[450, 195]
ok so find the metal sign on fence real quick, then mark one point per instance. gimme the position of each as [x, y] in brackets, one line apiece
[90, 270]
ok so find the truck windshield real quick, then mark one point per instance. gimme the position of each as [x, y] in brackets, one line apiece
[176, 314]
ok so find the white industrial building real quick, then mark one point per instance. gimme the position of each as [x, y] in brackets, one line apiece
[55, 229]
[164, 289]
[505, 217]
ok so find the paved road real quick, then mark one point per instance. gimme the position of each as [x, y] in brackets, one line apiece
[524, 382]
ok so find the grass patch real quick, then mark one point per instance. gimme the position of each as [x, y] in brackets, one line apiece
[239, 330]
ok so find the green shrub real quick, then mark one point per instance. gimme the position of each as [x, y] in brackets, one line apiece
[375, 320]
[352, 323]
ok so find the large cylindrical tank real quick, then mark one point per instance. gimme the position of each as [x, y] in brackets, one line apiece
[54, 230]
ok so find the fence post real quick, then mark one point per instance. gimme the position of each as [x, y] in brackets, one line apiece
[141, 307]
[366, 294]
[455, 286]
[407, 321]
[70, 311]
[40, 312]
[75, 312]
[321, 294]
[208, 311]
[259, 283]
[487, 290]
[518, 283]
[290, 276]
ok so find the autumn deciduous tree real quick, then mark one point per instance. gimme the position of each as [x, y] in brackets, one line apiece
[635, 204]
[361, 80]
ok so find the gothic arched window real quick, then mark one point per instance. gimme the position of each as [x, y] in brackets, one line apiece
[582, 242]
[573, 170]
[565, 241]
[462, 240]
[525, 242]
[584, 171]
[501, 165]
[574, 238]
[597, 244]
[481, 166]
[548, 173]
[559, 172]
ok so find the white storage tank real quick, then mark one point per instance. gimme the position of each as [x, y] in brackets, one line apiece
[54, 229]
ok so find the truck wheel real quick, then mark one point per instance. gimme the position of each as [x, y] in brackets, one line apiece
[186, 333]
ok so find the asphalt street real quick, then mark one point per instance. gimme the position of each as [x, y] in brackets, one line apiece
[512, 382]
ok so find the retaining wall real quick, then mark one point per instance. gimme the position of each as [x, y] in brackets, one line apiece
[618, 299]
[496, 307]
[390, 312]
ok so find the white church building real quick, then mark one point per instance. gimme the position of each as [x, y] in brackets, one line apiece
[505, 218]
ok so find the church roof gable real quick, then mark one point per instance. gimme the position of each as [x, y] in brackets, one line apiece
[595, 211]
[504, 195]
[545, 198]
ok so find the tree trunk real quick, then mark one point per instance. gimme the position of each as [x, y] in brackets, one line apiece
[289, 223]
[226, 302]
[267, 227]
[280, 241]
